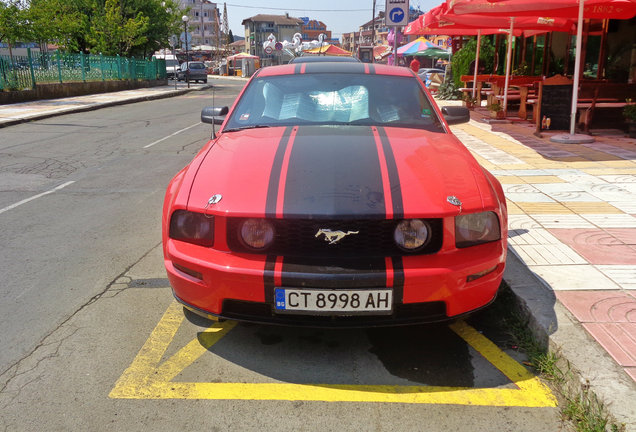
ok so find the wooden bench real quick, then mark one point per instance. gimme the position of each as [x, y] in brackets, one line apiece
[469, 82]
[595, 95]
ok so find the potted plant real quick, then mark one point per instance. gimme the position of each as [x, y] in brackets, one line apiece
[496, 110]
[469, 101]
[629, 113]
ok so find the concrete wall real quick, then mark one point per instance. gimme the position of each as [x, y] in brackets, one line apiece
[54, 91]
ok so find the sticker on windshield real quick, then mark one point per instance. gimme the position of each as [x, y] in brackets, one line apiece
[244, 117]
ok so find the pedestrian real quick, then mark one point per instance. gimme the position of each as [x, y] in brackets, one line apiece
[415, 65]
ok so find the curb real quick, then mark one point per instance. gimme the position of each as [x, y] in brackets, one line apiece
[556, 329]
[99, 105]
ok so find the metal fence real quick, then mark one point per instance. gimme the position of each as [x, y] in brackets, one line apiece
[26, 72]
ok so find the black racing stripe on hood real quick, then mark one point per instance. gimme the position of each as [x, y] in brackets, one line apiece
[274, 178]
[340, 67]
[297, 68]
[398, 279]
[268, 278]
[334, 172]
[394, 178]
[371, 69]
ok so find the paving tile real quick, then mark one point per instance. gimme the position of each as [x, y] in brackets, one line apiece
[508, 179]
[547, 254]
[611, 220]
[626, 207]
[597, 246]
[599, 306]
[625, 235]
[542, 179]
[522, 222]
[519, 188]
[619, 340]
[610, 192]
[549, 188]
[574, 277]
[581, 178]
[624, 275]
[619, 178]
[573, 197]
[513, 209]
[613, 150]
[534, 236]
[529, 197]
[631, 371]
[562, 221]
[590, 207]
[543, 208]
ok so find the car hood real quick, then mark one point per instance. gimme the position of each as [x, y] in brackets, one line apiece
[351, 171]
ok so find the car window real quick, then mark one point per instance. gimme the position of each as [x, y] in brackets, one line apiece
[197, 66]
[172, 62]
[331, 99]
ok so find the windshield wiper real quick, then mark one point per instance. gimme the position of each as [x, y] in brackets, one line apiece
[245, 127]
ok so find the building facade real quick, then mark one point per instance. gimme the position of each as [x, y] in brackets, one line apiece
[311, 29]
[259, 27]
[204, 24]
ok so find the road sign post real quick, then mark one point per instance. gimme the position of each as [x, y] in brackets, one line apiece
[396, 15]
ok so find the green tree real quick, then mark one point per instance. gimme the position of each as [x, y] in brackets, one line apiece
[64, 22]
[14, 23]
[230, 37]
[112, 32]
[463, 58]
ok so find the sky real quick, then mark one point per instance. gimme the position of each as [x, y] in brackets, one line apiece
[340, 16]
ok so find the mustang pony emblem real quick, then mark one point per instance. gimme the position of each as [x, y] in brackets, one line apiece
[334, 236]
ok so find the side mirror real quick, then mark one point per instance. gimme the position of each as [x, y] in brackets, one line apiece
[210, 114]
[456, 115]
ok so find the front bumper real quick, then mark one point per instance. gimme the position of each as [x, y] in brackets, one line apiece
[427, 288]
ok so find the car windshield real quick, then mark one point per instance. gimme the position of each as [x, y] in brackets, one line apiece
[172, 62]
[333, 99]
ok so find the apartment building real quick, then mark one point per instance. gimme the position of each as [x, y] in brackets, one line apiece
[204, 22]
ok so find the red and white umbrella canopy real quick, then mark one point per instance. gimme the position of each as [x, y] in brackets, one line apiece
[596, 9]
[574, 9]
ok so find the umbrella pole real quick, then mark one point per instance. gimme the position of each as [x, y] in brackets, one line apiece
[508, 62]
[577, 67]
[476, 64]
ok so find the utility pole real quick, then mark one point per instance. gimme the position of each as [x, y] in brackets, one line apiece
[373, 27]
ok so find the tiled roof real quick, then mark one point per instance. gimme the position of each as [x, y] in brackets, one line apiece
[276, 19]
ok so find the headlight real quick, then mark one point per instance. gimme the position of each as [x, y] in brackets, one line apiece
[192, 227]
[411, 234]
[476, 228]
[257, 233]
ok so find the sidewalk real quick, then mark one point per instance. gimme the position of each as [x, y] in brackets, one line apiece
[572, 260]
[572, 229]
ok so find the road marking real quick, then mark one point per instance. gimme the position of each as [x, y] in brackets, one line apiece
[171, 135]
[148, 378]
[24, 201]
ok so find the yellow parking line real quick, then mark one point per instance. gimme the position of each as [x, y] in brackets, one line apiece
[148, 378]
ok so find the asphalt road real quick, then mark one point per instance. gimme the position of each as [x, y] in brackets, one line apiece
[91, 338]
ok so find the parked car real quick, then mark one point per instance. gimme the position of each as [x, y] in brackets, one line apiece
[193, 71]
[334, 194]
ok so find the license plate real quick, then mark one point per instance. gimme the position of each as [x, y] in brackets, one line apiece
[333, 302]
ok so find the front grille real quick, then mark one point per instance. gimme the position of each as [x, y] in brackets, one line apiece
[297, 237]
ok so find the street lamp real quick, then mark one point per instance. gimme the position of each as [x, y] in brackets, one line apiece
[185, 20]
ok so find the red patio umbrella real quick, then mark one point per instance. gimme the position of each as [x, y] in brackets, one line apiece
[441, 19]
[579, 9]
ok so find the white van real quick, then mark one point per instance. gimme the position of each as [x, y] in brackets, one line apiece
[172, 64]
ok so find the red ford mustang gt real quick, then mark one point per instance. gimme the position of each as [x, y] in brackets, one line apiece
[334, 194]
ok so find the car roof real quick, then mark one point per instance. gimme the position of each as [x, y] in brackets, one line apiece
[333, 67]
[314, 59]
